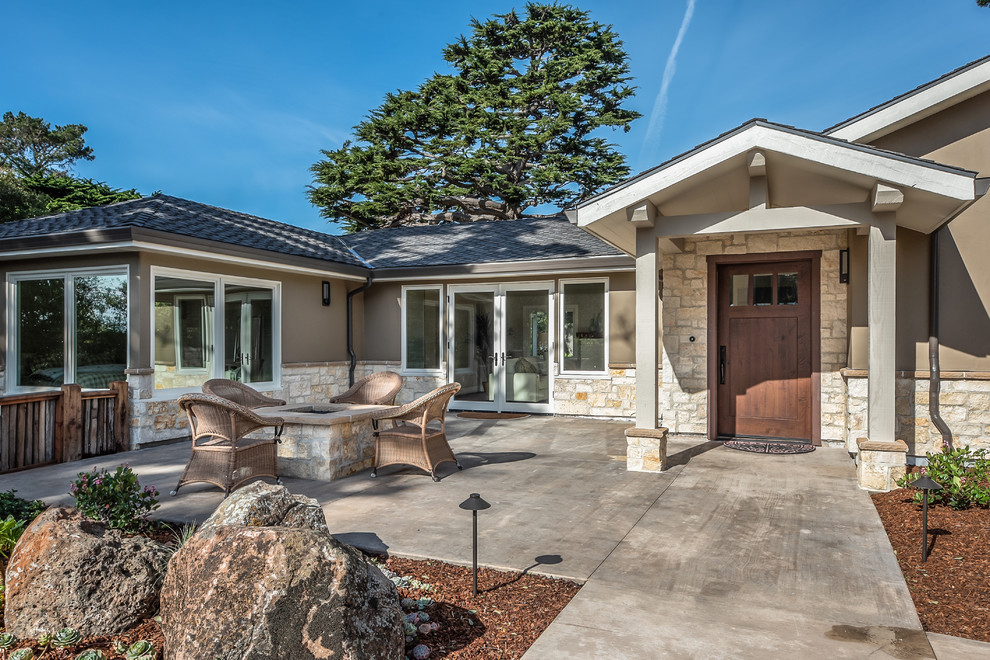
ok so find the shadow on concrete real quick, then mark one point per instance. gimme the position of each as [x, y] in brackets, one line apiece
[541, 560]
[470, 459]
[366, 541]
[685, 455]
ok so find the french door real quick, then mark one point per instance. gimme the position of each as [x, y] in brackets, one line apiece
[500, 346]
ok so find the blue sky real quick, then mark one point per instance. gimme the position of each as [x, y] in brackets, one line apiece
[230, 103]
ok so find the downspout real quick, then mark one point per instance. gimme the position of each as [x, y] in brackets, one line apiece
[982, 186]
[934, 369]
[350, 327]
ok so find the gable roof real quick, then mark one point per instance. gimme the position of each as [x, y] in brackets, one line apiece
[488, 242]
[172, 215]
[605, 213]
[954, 87]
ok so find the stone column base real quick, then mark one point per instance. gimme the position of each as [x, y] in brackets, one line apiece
[646, 450]
[880, 464]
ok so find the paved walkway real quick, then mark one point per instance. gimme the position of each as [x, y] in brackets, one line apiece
[726, 555]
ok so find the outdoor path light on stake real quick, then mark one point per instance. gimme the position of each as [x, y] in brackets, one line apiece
[474, 504]
[927, 484]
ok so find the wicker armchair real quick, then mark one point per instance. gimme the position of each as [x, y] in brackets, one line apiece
[412, 441]
[221, 455]
[377, 389]
[240, 393]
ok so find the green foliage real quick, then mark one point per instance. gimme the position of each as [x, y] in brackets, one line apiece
[92, 654]
[20, 508]
[21, 654]
[10, 530]
[963, 473]
[66, 637]
[514, 126]
[34, 170]
[7, 641]
[29, 146]
[116, 498]
[141, 650]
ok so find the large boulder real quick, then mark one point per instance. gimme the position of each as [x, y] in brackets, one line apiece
[241, 588]
[67, 570]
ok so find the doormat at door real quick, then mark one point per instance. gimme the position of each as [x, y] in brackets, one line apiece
[470, 414]
[768, 447]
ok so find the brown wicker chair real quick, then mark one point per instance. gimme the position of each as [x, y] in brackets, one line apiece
[412, 441]
[377, 389]
[221, 455]
[237, 392]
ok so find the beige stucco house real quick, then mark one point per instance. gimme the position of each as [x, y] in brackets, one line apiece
[776, 282]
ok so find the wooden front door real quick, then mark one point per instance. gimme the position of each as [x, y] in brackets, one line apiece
[764, 349]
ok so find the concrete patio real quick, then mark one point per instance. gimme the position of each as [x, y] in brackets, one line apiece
[726, 555]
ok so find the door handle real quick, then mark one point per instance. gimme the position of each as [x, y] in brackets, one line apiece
[721, 365]
[503, 359]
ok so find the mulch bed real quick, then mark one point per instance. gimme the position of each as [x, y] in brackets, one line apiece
[511, 610]
[951, 591]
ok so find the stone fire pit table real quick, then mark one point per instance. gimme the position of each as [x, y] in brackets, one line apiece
[324, 442]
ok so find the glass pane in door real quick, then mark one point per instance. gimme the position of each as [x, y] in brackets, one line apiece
[527, 346]
[247, 334]
[473, 337]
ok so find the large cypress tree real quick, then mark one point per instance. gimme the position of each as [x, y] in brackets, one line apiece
[515, 126]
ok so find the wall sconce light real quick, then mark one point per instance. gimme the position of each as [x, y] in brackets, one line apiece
[326, 293]
[844, 266]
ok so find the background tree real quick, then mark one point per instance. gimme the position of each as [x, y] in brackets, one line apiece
[513, 128]
[35, 160]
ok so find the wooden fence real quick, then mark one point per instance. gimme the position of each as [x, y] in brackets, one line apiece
[62, 425]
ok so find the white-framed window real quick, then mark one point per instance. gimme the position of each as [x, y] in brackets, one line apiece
[584, 326]
[422, 329]
[67, 326]
[214, 326]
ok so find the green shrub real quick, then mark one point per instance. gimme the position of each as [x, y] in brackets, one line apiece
[19, 508]
[116, 498]
[10, 530]
[963, 473]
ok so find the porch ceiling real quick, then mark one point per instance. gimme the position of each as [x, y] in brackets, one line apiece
[810, 181]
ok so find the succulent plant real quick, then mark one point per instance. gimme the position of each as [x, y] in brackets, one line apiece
[92, 654]
[424, 628]
[409, 629]
[46, 639]
[65, 637]
[423, 603]
[141, 650]
[421, 652]
[119, 647]
[409, 603]
[7, 641]
[21, 654]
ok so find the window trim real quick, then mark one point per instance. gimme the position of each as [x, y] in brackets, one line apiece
[562, 311]
[441, 368]
[68, 276]
[219, 296]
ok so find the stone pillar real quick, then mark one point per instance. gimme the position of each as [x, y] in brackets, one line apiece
[881, 414]
[880, 464]
[646, 450]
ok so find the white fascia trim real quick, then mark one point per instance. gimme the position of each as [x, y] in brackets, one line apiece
[924, 103]
[899, 172]
[185, 252]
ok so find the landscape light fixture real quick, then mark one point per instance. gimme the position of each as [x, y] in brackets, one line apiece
[843, 266]
[474, 504]
[927, 484]
[326, 293]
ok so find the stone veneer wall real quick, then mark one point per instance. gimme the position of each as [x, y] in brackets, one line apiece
[612, 395]
[964, 404]
[684, 394]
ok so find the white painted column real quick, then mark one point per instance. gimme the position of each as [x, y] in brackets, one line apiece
[648, 258]
[882, 291]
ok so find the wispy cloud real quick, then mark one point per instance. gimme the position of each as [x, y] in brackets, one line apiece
[659, 114]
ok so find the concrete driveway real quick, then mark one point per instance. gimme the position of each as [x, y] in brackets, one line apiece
[726, 555]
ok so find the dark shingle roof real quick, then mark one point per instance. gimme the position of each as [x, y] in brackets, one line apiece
[477, 243]
[186, 218]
